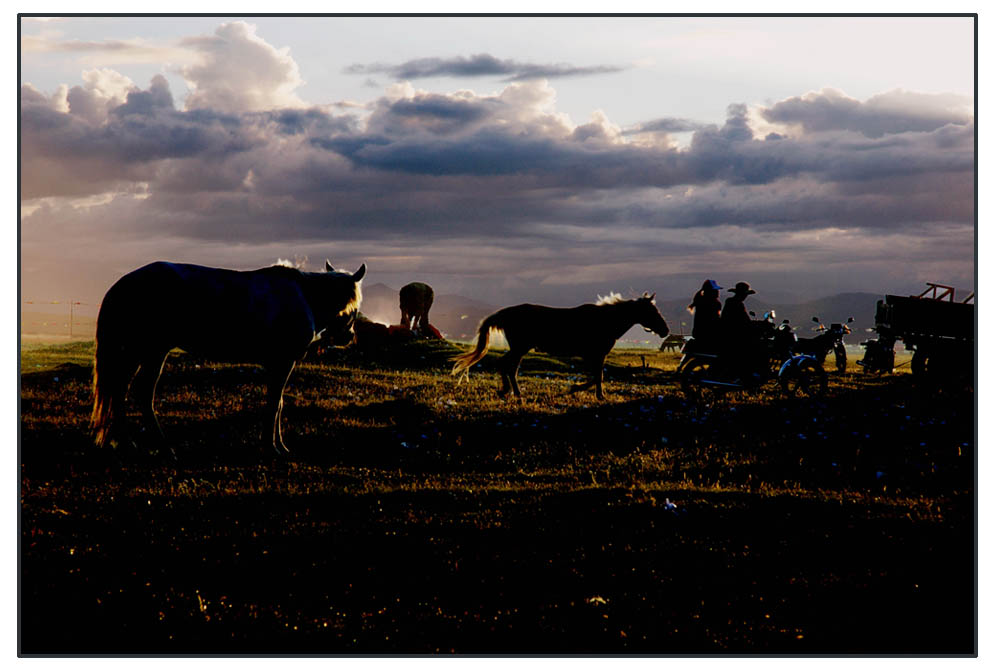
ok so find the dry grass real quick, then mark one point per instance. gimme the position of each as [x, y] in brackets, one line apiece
[416, 515]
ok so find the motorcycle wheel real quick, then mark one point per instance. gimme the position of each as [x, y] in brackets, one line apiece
[692, 375]
[841, 356]
[808, 379]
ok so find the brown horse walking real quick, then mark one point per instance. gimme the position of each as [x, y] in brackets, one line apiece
[588, 331]
[267, 316]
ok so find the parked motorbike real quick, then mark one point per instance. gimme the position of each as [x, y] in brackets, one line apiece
[706, 371]
[880, 353]
[829, 339]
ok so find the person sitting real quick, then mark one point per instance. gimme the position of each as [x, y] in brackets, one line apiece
[706, 307]
[735, 318]
[741, 345]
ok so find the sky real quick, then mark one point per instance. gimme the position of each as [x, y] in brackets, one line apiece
[505, 159]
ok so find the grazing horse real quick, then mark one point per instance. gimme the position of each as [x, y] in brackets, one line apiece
[588, 331]
[415, 301]
[267, 316]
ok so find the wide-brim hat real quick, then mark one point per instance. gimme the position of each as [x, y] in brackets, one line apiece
[743, 288]
[710, 283]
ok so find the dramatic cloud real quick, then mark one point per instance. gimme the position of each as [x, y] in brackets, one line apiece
[241, 72]
[480, 65]
[498, 195]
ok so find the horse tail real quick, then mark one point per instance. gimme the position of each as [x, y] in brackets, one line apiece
[466, 360]
[112, 375]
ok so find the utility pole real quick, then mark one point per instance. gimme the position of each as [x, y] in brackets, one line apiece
[71, 303]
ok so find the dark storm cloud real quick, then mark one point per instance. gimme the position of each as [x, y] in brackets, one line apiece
[485, 171]
[95, 145]
[479, 65]
[305, 122]
[727, 153]
[889, 113]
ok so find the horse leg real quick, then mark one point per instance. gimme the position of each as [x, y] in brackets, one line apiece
[515, 364]
[505, 378]
[597, 373]
[509, 364]
[119, 392]
[145, 390]
[277, 378]
[599, 377]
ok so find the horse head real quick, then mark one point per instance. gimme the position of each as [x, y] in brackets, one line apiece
[649, 317]
[346, 296]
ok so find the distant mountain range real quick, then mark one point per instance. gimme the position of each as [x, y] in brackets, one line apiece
[457, 317]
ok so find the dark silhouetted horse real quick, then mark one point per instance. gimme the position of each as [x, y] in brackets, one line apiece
[588, 331]
[267, 316]
[415, 301]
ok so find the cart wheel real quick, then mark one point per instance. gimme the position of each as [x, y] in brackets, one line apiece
[806, 378]
[918, 364]
[948, 370]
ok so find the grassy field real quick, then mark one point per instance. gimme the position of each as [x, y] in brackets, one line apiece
[417, 516]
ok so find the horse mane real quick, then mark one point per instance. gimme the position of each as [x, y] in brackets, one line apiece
[350, 291]
[610, 298]
[616, 298]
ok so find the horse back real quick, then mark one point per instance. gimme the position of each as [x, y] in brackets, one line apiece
[215, 311]
[416, 296]
[556, 330]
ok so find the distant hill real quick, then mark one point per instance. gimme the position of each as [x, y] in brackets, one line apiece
[833, 309]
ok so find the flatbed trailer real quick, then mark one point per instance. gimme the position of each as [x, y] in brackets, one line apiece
[940, 331]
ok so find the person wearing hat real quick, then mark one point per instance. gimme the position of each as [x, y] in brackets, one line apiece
[706, 307]
[734, 314]
[737, 329]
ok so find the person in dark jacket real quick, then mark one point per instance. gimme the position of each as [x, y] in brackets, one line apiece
[739, 339]
[735, 319]
[706, 307]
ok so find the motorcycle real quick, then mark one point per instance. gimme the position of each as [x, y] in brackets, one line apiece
[706, 370]
[829, 339]
[880, 353]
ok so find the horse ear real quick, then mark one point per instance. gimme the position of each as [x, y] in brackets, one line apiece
[329, 267]
[360, 274]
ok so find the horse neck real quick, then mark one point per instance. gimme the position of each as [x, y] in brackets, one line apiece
[622, 316]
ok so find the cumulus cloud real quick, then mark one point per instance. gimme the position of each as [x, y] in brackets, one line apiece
[479, 65]
[500, 191]
[241, 72]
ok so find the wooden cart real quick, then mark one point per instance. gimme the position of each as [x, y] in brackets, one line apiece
[940, 332]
